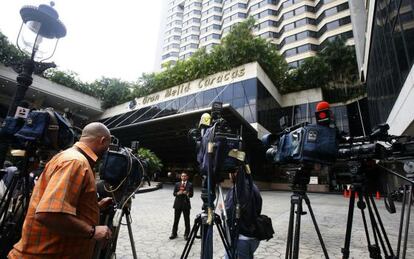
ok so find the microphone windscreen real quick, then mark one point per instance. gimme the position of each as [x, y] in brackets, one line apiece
[205, 120]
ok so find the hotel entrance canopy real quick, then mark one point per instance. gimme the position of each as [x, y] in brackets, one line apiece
[168, 137]
[161, 121]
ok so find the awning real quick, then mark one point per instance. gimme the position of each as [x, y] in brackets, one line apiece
[167, 136]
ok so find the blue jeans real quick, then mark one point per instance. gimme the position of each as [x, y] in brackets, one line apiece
[246, 248]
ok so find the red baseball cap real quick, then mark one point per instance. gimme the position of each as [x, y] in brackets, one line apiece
[322, 106]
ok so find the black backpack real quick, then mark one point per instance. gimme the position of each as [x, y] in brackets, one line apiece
[264, 228]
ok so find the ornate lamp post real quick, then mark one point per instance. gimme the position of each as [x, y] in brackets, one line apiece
[38, 37]
[39, 34]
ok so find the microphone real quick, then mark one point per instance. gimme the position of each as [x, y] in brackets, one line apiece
[205, 122]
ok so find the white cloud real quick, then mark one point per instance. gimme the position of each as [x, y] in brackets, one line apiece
[104, 38]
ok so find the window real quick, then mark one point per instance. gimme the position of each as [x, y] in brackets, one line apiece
[332, 25]
[300, 10]
[208, 96]
[304, 48]
[213, 9]
[287, 3]
[301, 22]
[209, 37]
[235, 7]
[290, 39]
[191, 29]
[172, 46]
[234, 17]
[290, 52]
[211, 27]
[302, 35]
[211, 18]
[289, 26]
[172, 54]
[189, 46]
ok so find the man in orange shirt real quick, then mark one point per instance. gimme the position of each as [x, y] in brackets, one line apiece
[63, 213]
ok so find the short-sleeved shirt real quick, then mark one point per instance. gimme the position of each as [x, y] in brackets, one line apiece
[66, 185]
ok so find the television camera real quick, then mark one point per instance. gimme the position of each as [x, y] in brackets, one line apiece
[121, 175]
[366, 156]
[303, 143]
[302, 146]
[38, 134]
[219, 151]
[299, 149]
[378, 145]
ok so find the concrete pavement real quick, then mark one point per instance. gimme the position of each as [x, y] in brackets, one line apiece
[152, 216]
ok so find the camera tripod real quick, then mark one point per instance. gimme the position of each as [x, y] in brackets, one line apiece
[14, 204]
[407, 199]
[300, 179]
[360, 172]
[206, 228]
[113, 220]
[204, 222]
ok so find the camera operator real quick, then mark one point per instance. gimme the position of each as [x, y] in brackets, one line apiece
[64, 211]
[243, 201]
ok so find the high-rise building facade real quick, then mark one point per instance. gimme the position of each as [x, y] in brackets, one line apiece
[385, 40]
[298, 28]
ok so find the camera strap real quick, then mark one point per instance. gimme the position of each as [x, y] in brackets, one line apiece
[90, 161]
[53, 128]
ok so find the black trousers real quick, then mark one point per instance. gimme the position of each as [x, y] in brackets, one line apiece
[177, 215]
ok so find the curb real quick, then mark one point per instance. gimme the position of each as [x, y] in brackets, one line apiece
[154, 186]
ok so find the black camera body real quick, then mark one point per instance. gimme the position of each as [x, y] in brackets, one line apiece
[121, 170]
[378, 145]
[303, 143]
[219, 140]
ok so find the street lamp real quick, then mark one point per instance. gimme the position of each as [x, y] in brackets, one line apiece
[39, 34]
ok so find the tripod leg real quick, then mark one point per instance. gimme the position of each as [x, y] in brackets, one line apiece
[206, 241]
[191, 237]
[345, 250]
[316, 226]
[288, 254]
[375, 250]
[402, 219]
[131, 237]
[225, 241]
[296, 240]
[6, 200]
[384, 233]
[407, 224]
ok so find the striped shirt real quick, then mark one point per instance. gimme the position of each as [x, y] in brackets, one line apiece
[66, 185]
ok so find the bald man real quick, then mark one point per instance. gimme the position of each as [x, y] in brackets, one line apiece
[63, 213]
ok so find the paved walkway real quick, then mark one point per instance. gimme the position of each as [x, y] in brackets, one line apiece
[152, 216]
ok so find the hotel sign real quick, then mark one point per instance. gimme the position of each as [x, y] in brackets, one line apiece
[191, 87]
[237, 74]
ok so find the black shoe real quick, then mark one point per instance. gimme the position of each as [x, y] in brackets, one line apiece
[185, 237]
[173, 236]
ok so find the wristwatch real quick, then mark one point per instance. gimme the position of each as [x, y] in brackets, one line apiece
[92, 232]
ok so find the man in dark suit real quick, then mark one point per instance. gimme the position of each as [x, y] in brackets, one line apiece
[183, 191]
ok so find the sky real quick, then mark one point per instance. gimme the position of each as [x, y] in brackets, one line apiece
[116, 39]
